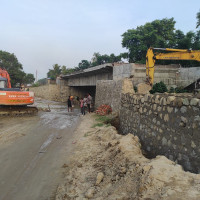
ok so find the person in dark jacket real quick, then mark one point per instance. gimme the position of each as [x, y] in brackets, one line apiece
[69, 104]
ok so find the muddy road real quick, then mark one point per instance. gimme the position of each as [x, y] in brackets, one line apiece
[33, 150]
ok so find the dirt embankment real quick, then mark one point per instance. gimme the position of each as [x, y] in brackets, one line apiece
[106, 165]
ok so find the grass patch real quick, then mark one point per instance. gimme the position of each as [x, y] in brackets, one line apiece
[107, 125]
[98, 125]
[103, 119]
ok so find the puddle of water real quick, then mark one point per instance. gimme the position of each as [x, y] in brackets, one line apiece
[59, 117]
[58, 121]
[47, 142]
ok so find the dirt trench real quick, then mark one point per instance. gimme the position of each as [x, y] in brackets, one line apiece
[106, 165]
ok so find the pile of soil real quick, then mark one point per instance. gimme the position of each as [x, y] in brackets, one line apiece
[106, 165]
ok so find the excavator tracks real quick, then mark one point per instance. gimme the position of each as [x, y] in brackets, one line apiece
[18, 110]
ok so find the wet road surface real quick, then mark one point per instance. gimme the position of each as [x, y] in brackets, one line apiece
[33, 150]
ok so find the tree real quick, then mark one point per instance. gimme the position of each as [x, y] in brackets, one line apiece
[63, 69]
[55, 72]
[198, 19]
[99, 59]
[10, 62]
[66, 70]
[159, 33]
[28, 79]
[84, 64]
[42, 81]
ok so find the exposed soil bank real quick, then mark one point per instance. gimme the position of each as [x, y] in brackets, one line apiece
[106, 165]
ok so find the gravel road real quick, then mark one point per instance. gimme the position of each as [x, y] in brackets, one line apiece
[33, 150]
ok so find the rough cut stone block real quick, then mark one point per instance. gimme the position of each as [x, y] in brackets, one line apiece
[142, 100]
[183, 109]
[184, 120]
[143, 88]
[178, 102]
[164, 102]
[194, 102]
[166, 118]
[157, 99]
[186, 102]
[127, 86]
[170, 99]
[169, 109]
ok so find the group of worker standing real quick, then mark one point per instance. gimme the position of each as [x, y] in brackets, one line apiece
[85, 103]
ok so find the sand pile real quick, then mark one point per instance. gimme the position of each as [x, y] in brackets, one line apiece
[106, 165]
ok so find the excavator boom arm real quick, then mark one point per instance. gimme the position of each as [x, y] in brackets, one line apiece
[194, 55]
[175, 54]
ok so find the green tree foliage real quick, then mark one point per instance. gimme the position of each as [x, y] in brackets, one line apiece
[198, 19]
[177, 90]
[190, 40]
[158, 87]
[84, 64]
[99, 59]
[159, 33]
[58, 70]
[28, 79]
[66, 70]
[42, 81]
[55, 72]
[10, 62]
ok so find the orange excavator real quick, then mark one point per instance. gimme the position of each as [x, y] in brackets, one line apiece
[13, 101]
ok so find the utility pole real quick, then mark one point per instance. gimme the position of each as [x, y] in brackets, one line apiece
[36, 79]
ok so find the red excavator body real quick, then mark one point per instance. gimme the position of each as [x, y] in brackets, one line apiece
[13, 96]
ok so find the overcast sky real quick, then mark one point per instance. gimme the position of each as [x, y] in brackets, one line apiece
[42, 33]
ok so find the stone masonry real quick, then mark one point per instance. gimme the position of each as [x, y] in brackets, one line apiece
[51, 92]
[109, 92]
[166, 125]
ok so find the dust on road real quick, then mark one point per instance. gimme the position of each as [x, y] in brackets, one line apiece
[32, 151]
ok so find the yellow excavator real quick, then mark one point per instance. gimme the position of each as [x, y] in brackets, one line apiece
[173, 54]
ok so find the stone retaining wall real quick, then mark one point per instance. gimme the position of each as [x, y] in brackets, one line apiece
[109, 92]
[51, 92]
[166, 125]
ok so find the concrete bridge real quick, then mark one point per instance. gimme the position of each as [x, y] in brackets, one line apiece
[90, 76]
[104, 82]
[86, 81]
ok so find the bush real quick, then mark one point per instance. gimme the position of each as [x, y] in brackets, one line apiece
[172, 90]
[159, 87]
[136, 89]
[36, 85]
[177, 90]
[180, 90]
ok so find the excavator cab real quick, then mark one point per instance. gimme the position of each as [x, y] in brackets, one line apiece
[3, 82]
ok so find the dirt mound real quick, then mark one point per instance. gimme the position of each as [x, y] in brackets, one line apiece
[106, 165]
